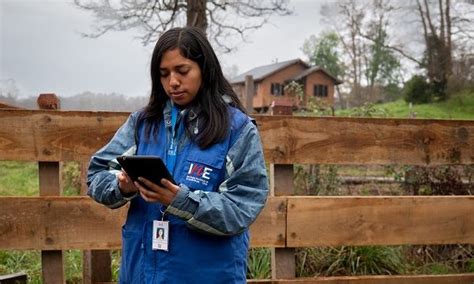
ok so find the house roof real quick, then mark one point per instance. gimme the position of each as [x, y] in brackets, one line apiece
[261, 72]
[315, 69]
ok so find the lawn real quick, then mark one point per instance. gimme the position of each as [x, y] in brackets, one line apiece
[459, 106]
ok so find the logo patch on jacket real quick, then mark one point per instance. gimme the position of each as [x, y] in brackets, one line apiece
[199, 174]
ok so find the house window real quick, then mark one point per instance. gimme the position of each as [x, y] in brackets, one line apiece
[320, 90]
[276, 89]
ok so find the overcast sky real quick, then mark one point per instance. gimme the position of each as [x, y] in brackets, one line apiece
[41, 48]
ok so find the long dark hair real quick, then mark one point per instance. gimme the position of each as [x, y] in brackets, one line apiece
[214, 117]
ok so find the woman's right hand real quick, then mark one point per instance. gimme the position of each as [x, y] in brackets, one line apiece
[126, 185]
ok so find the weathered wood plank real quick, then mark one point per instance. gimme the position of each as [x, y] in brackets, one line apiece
[57, 223]
[42, 135]
[338, 140]
[269, 230]
[34, 135]
[467, 278]
[334, 221]
[52, 223]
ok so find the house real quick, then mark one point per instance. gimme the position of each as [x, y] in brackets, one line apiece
[270, 81]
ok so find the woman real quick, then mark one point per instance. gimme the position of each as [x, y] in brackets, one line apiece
[196, 124]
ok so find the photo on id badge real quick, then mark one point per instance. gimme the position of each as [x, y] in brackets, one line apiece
[160, 235]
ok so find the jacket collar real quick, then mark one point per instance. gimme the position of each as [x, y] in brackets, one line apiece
[190, 113]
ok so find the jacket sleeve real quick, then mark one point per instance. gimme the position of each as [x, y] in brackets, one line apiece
[103, 167]
[239, 199]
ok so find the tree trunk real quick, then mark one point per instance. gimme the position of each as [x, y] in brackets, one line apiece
[438, 46]
[196, 14]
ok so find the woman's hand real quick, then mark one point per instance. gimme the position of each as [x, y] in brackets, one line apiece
[126, 185]
[152, 192]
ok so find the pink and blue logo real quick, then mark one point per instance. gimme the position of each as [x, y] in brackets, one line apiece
[199, 173]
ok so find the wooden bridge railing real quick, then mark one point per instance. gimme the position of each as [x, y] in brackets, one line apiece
[53, 223]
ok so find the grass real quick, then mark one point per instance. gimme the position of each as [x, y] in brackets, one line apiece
[29, 262]
[459, 106]
[362, 260]
[259, 263]
[18, 178]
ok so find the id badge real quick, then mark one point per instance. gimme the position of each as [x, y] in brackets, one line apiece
[160, 235]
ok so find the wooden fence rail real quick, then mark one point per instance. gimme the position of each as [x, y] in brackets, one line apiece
[29, 135]
[60, 223]
[52, 223]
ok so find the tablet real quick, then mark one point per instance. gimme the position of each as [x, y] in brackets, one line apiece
[150, 167]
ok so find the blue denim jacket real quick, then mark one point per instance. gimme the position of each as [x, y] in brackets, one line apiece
[222, 190]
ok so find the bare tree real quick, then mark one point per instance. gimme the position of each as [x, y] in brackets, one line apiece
[223, 20]
[433, 34]
[346, 18]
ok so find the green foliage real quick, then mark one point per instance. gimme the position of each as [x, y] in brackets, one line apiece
[323, 52]
[28, 262]
[383, 66]
[438, 268]
[470, 265]
[417, 90]
[318, 107]
[259, 266]
[363, 260]
[314, 105]
[73, 266]
[116, 258]
[295, 88]
[369, 110]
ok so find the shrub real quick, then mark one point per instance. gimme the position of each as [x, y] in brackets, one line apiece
[417, 90]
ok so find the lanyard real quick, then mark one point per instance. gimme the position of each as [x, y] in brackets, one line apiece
[172, 148]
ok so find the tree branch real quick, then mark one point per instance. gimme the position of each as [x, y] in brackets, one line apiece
[229, 18]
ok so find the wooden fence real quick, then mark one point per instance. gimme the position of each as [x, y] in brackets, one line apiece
[52, 223]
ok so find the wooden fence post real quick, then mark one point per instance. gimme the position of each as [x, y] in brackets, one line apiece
[96, 264]
[283, 260]
[249, 93]
[52, 262]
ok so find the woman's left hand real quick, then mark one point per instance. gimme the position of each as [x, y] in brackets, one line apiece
[152, 192]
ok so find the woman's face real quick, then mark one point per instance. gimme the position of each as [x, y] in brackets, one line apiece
[180, 77]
